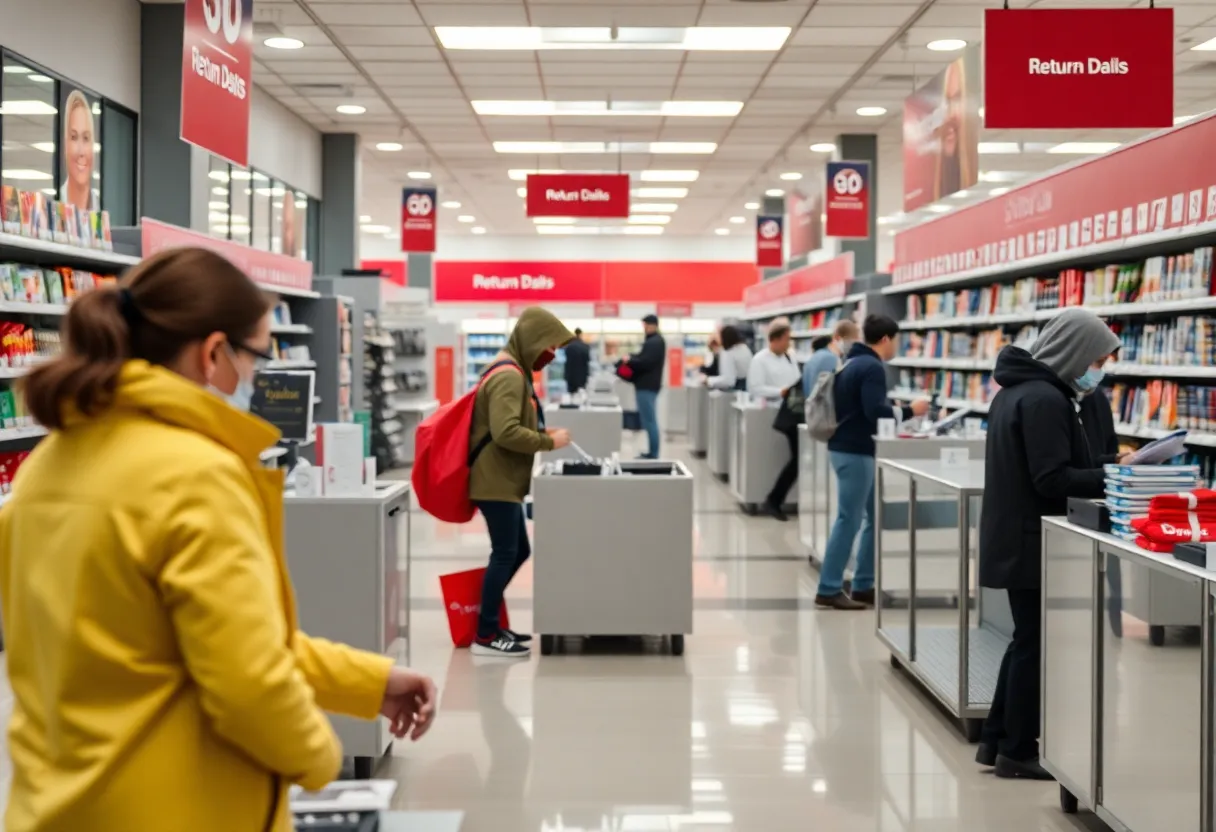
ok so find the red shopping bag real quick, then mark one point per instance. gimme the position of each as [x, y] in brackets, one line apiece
[462, 600]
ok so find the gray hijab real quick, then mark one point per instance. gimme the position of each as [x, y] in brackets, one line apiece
[1072, 341]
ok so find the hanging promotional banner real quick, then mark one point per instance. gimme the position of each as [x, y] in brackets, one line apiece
[1151, 189]
[419, 220]
[848, 201]
[820, 283]
[600, 195]
[770, 245]
[942, 133]
[607, 285]
[805, 222]
[1039, 74]
[217, 77]
[273, 272]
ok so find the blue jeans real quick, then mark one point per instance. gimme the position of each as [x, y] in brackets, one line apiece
[509, 550]
[648, 415]
[854, 510]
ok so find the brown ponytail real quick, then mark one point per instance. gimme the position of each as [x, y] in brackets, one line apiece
[168, 301]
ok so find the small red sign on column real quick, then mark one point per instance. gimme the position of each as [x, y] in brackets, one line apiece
[604, 195]
[675, 366]
[418, 219]
[848, 202]
[516, 307]
[606, 309]
[445, 374]
[770, 245]
[674, 310]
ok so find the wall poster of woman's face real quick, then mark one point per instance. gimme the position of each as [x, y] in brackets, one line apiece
[79, 149]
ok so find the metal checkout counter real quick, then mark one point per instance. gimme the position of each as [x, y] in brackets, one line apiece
[720, 426]
[350, 564]
[757, 454]
[596, 429]
[613, 550]
[698, 419]
[1127, 726]
[940, 625]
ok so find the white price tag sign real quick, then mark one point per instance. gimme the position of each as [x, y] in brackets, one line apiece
[955, 457]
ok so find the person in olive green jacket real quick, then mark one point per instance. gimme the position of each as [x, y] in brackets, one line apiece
[507, 411]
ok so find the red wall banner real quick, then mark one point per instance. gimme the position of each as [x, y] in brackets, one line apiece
[848, 199]
[578, 195]
[675, 366]
[804, 222]
[770, 246]
[1038, 73]
[824, 281]
[419, 219]
[1164, 183]
[264, 267]
[391, 270]
[217, 77]
[610, 283]
[942, 133]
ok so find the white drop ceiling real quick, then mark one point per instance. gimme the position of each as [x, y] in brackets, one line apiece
[841, 55]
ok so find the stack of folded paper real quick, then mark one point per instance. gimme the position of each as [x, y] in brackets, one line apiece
[1132, 491]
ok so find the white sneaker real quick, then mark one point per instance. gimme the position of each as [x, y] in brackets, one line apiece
[502, 646]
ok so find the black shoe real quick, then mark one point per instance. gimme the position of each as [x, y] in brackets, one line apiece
[839, 601]
[502, 646]
[775, 511]
[1011, 769]
[522, 638]
[985, 755]
[863, 596]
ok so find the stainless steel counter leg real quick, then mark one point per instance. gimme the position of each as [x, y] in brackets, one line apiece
[973, 726]
[912, 569]
[878, 596]
[1208, 643]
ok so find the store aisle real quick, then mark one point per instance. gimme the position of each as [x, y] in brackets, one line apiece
[779, 717]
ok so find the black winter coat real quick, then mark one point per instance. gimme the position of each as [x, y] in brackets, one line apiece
[647, 363]
[1037, 456]
[1099, 425]
[578, 365]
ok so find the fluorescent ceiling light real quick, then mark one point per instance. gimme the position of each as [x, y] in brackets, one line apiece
[655, 207]
[451, 203]
[1000, 147]
[45, 147]
[871, 111]
[552, 230]
[791, 176]
[597, 230]
[1083, 148]
[215, 216]
[751, 206]
[1182, 119]
[605, 147]
[823, 147]
[553, 220]
[520, 175]
[649, 219]
[283, 43]
[998, 191]
[522, 193]
[15, 69]
[391, 147]
[364, 218]
[774, 192]
[466, 218]
[660, 193]
[642, 230]
[738, 220]
[938, 208]
[946, 45]
[1206, 46]
[419, 174]
[477, 229]
[697, 38]
[669, 175]
[218, 206]
[375, 229]
[241, 176]
[721, 232]
[219, 191]
[40, 78]
[351, 109]
[550, 109]
[27, 108]
[24, 175]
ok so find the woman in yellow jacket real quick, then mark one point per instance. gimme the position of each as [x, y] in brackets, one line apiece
[160, 682]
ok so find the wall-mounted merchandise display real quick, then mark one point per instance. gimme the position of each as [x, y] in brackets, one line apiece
[380, 390]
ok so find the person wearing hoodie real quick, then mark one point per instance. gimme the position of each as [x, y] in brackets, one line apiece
[508, 419]
[1037, 456]
[160, 679]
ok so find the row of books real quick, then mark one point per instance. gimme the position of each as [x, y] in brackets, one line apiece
[32, 214]
[1176, 277]
[1188, 341]
[944, 343]
[35, 284]
[818, 319]
[975, 387]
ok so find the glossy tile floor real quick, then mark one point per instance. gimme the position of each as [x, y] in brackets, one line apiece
[778, 717]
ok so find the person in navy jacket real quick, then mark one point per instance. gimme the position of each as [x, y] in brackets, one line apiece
[861, 400]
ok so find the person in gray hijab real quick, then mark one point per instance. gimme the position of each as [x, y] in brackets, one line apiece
[1036, 457]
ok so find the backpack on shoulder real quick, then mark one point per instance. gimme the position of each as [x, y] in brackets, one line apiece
[821, 406]
[443, 458]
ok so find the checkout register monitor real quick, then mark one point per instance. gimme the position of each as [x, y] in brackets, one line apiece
[285, 399]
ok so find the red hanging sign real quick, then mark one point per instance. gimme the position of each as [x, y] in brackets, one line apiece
[603, 195]
[217, 77]
[419, 219]
[1065, 69]
[848, 202]
[770, 243]
[805, 218]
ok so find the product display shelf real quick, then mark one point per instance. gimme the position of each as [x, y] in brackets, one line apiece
[380, 389]
[43, 253]
[415, 399]
[480, 349]
[328, 323]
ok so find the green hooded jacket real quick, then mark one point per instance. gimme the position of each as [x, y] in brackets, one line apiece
[504, 409]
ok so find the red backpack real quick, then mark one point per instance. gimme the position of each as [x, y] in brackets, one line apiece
[443, 459]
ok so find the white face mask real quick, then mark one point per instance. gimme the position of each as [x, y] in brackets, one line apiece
[242, 397]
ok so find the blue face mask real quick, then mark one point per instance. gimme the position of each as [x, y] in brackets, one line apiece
[242, 397]
[1090, 380]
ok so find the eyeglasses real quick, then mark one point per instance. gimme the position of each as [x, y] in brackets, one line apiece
[260, 359]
